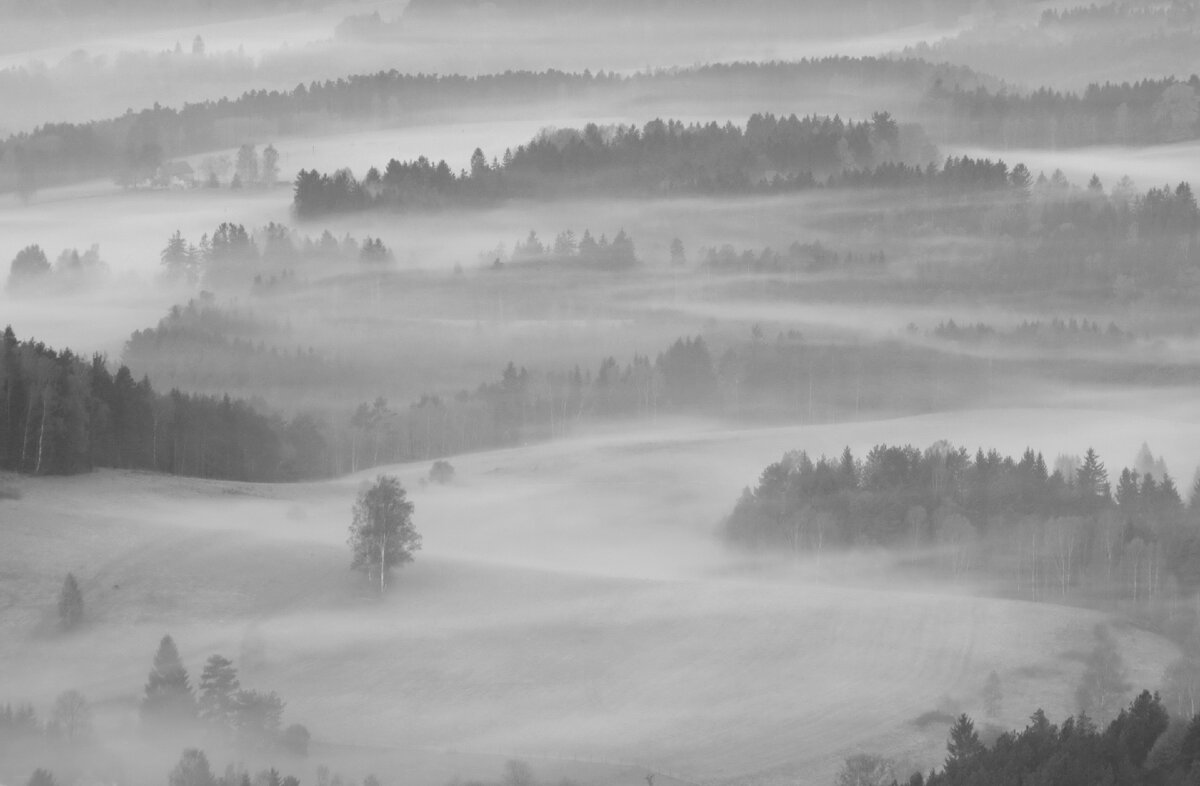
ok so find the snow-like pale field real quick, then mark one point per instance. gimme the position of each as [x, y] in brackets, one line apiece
[571, 600]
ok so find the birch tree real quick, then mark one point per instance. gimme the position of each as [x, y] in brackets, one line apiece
[382, 533]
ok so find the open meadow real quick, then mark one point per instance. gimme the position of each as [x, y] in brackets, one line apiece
[570, 601]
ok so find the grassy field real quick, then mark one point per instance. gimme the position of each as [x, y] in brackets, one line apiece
[571, 602]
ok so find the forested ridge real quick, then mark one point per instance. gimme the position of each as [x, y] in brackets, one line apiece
[1148, 111]
[955, 102]
[663, 157]
[62, 152]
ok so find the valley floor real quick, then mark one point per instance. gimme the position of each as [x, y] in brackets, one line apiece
[572, 602]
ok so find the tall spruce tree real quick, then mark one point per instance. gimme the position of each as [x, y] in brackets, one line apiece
[1092, 477]
[168, 698]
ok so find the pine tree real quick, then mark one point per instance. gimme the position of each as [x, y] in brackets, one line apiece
[964, 744]
[848, 469]
[70, 604]
[219, 686]
[176, 258]
[168, 697]
[1127, 488]
[1092, 477]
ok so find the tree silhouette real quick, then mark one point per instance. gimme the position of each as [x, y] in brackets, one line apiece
[382, 533]
[217, 702]
[70, 604]
[168, 695]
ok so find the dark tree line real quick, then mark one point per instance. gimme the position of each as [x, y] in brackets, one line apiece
[61, 415]
[142, 141]
[1142, 746]
[663, 157]
[1051, 529]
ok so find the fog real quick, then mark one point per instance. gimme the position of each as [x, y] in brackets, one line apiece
[613, 365]
[577, 577]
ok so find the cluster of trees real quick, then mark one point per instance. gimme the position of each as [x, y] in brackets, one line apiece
[662, 157]
[69, 724]
[796, 258]
[206, 348]
[585, 251]
[1056, 235]
[1150, 111]
[61, 415]
[64, 152]
[251, 720]
[31, 271]
[1055, 333]
[1144, 744]
[1051, 531]
[193, 769]
[203, 347]
[146, 167]
[67, 416]
[249, 168]
[233, 255]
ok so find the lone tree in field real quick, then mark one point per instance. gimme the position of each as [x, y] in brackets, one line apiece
[70, 604]
[382, 533]
[169, 698]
